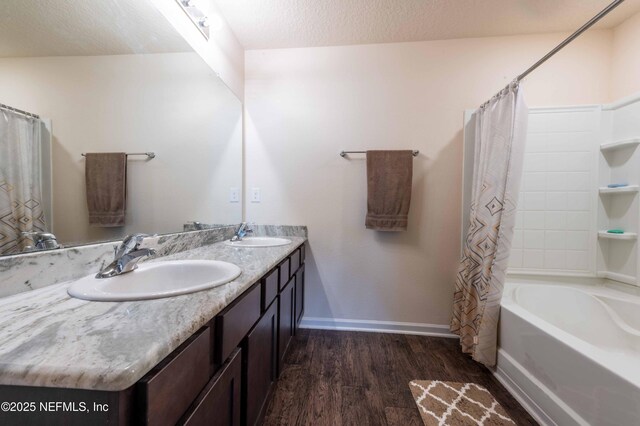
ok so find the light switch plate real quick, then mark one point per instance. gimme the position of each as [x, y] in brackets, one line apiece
[255, 195]
[234, 195]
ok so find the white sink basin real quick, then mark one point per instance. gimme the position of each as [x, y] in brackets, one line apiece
[155, 280]
[259, 242]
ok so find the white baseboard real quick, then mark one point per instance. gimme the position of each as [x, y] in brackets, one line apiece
[533, 395]
[393, 327]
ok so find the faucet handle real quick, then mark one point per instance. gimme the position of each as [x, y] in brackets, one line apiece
[129, 243]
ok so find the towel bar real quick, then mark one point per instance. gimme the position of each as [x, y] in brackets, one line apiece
[343, 154]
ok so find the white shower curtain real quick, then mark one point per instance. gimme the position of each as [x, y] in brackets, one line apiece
[501, 127]
[20, 181]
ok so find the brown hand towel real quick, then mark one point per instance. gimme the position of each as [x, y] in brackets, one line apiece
[106, 181]
[389, 176]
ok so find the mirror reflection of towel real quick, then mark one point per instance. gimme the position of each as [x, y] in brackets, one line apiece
[389, 175]
[106, 184]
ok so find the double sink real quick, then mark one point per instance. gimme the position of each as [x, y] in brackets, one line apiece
[160, 279]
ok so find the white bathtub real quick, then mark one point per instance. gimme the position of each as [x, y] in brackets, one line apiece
[571, 352]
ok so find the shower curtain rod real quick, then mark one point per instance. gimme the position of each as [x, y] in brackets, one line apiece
[604, 12]
[19, 111]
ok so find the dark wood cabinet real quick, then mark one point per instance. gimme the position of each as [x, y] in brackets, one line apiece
[260, 355]
[119, 406]
[284, 273]
[270, 288]
[221, 375]
[168, 389]
[220, 401]
[286, 311]
[235, 321]
[295, 261]
[299, 305]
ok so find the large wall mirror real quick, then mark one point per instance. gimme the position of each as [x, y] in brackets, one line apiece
[104, 77]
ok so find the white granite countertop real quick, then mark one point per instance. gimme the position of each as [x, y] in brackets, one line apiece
[50, 339]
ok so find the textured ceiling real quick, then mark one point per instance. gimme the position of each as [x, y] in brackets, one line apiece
[84, 27]
[265, 24]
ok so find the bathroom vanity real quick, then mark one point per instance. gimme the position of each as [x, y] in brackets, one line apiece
[225, 346]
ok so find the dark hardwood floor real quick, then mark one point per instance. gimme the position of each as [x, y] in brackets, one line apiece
[354, 378]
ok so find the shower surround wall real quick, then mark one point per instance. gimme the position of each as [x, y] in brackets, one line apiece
[556, 219]
[619, 258]
[565, 207]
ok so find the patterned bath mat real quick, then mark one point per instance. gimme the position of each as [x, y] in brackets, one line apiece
[457, 404]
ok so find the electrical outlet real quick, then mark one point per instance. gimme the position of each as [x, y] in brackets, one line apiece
[234, 195]
[255, 195]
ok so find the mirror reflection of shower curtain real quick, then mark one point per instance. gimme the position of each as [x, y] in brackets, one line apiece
[21, 208]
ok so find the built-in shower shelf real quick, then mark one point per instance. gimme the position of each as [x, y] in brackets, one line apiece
[625, 236]
[628, 279]
[621, 190]
[625, 143]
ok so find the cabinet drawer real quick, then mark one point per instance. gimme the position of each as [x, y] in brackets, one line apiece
[235, 321]
[168, 390]
[295, 261]
[219, 402]
[284, 273]
[269, 288]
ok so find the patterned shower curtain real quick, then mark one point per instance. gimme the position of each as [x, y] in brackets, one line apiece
[501, 127]
[20, 181]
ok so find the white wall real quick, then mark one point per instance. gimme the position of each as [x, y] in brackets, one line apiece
[302, 106]
[171, 103]
[223, 52]
[625, 60]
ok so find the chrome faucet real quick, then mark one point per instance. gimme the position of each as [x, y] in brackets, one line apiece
[41, 241]
[127, 256]
[241, 232]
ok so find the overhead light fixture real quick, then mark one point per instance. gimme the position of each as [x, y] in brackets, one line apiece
[197, 16]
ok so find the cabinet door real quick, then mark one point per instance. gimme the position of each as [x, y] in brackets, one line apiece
[261, 352]
[299, 305]
[285, 320]
[219, 402]
[169, 388]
